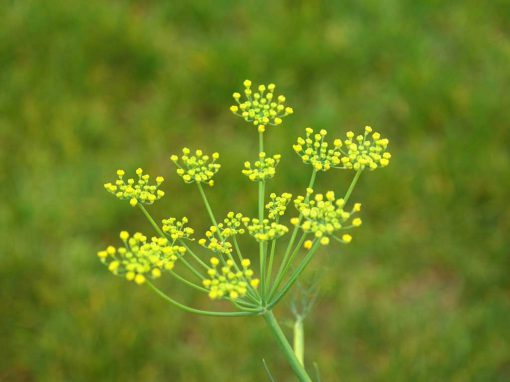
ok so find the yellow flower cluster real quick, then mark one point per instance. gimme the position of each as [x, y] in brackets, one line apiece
[177, 229]
[260, 107]
[264, 168]
[265, 230]
[136, 191]
[314, 149]
[231, 225]
[139, 258]
[277, 205]
[215, 242]
[199, 168]
[365, 151]
[324, 215]
[228, 280]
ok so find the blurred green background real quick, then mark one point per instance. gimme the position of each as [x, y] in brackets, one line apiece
[86, 87]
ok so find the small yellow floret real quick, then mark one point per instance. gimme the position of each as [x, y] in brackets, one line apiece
[139, 279]
[347, 238]
[308, 244]
[133, 202]
[356, 222]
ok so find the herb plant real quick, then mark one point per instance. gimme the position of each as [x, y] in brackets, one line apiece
[215, 262]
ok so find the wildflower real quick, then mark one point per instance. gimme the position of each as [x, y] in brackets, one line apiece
[264, 168]
[231, 225]
[260, 106]
[229, 280]
[324, 215]
[199, 168]
[364, 151]
[265, 230]
[136, 191]
[277, 205]
[177, 229]
[215, 242]
[139, 258]
[315, 150]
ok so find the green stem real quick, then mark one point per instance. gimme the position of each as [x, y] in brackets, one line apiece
[299, 340]
[283, 264]
[262, 249]
[270, 266]
[195, 256]
[198, 311]
[288, 263]
[351, 187]
[295, 275]
[207, 206]
[151, 220]
[294, 362]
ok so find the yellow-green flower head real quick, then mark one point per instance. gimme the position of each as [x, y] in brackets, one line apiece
[366, 150]
[199, 168]
[229, 280]
[324, 215]
[260, 105]
[231, 225]
[264, 168]
[139, 258]
[277, 205]
[315, 150]
[215, 242]
[136, 191]
[177, 229]
[265, 230]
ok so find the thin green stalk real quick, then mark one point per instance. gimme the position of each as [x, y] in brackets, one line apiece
[192, 268]
[283, 272]
[270, 266]
[151, 220]
[262, 249]
[207, 206]
[296, 366]
[198, 311]
[295, 275]
[351, 187]
[195, 256]
[283, 264]
[188, 283]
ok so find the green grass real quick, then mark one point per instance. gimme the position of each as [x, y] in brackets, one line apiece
[89, 86]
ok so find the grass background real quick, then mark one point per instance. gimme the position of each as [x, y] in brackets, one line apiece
[86, 87]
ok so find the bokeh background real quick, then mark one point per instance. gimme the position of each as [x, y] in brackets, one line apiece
[87, 86]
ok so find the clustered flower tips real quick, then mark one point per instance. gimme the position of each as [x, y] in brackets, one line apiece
[199, 168]
[266, 230]
[277, 205]
[228, 280]
[315, 150]
[360, 152]
[136, 191]
[260, 107]
[214, 242]
[177, 229]
[264, 168]
[139, 258]
[231, 225]
[324, 215]
[365, 151]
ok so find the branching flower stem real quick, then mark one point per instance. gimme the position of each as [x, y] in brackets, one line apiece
[262, 249]
[285, 262]
[198, 311]
[352, 185]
